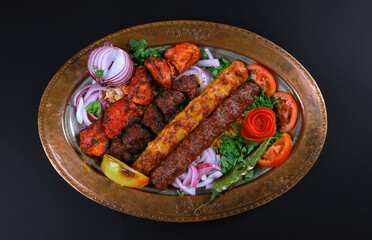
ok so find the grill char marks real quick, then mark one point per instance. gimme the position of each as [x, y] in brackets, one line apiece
[182, 55]
[161, 70]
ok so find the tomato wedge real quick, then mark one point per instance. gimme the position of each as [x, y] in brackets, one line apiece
[262, 78]
[277, 153]
[287, 111]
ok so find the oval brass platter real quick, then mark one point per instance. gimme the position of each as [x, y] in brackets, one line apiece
[56, 125]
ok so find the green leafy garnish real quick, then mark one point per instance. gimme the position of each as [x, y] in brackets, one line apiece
[99, 73]
[217, 70]
[95, 140]
[180, 193]
[140, 51]
[249, 176]
[262, 101]
[94, 107]
[233, 150]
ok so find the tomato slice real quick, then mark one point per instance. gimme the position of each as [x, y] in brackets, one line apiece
[262, 78]
[277, 153]
[287, 111]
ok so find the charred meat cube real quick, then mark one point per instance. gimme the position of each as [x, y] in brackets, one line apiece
[134, 140]
[188, 85]
[140, 86]
[120, 115]
[136, 137]
[168, 102]
[93, 139]
[118, 150]
[183, 55]
[153, 118]
[161, 70]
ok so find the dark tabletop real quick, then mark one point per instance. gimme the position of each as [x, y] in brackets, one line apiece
[331, 39]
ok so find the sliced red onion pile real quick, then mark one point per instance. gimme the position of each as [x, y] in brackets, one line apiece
[201, 173]
[116, 64]
[87, 94]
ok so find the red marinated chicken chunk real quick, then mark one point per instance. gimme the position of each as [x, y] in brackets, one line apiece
[140, 86]
[183, 55]
[161, 70]
[93, 139]
[120, 115]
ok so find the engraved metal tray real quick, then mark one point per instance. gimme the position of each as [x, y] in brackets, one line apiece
[58, 126]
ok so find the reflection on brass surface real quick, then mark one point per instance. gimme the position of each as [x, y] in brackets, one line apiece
[309, 134]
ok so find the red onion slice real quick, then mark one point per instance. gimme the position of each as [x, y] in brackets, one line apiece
[208, 63]
[195, 175]
[188, 177]
[79, 111]
[210, 56]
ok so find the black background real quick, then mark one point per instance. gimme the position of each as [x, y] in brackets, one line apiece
[332, 39]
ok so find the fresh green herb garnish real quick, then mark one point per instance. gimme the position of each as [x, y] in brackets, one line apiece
[114, 138]
[204, 55]
[233, 150]
[249, 176]
[94, 107]
[99, 73]
[140, 51]
[262, 101]
[180, 193]
[217, 70]
[95, 140]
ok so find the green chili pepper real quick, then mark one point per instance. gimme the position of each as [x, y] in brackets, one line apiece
[237, 172]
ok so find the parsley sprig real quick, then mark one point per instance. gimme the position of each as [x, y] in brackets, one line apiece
[94, 107]
[140, 51]
[98, 72]
[262, 101]
[180, 193]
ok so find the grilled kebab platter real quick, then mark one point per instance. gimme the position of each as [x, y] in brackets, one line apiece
[182, 121]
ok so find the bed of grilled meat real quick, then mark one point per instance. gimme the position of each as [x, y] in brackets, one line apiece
[187, 120]
[140, 86]
[168, 102]
[161, 70]
[203, 136]
[187, 85]
[134, 139]
[182, 55]
[93, 139]
[120, 115]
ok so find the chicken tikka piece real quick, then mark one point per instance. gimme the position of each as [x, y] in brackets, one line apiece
[93, 139]
[120, 115]
[183, 55]
[140, 86]
[161, 70]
